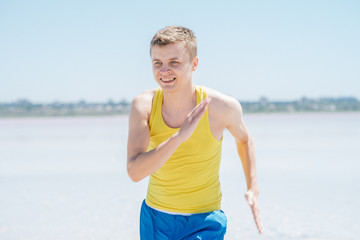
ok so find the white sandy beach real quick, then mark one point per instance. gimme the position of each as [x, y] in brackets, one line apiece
[65, 178]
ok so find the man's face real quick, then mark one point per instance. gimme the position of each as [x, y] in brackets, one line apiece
[172, 66]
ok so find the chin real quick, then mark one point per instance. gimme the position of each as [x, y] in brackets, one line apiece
[166, 88]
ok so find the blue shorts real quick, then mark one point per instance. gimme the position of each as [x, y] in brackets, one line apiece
[156, 225]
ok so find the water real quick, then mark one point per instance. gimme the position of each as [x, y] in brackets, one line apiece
[65, 178]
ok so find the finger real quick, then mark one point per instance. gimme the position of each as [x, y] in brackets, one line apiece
[194, 111]
[196, 116]
[255, 210]
[199, 109]
[201, 105]
[256, 215]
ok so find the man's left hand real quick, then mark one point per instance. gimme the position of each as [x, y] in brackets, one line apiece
[252, 198]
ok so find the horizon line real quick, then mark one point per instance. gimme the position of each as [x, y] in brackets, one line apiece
[124, 100]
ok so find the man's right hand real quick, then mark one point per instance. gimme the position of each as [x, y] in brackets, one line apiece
[191, 121]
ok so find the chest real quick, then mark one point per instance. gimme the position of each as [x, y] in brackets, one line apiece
[174, 119]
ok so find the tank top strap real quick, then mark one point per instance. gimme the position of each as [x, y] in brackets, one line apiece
[156, 105]
[201, 94]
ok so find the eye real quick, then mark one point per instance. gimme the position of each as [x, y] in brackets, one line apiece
[157, 64]
[174, 62]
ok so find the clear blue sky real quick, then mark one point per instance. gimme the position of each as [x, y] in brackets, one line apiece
[99, 50]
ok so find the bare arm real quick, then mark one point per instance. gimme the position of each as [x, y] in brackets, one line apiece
[141, 163]
[246, 150]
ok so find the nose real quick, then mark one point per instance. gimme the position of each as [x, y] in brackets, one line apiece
[164, 68]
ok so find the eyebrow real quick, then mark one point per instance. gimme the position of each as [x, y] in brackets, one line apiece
[174, 58]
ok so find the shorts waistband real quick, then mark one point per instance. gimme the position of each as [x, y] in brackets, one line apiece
[168, 212]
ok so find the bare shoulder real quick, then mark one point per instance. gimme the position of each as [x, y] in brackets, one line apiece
[221, 103]
[226, 112]
[141, 105]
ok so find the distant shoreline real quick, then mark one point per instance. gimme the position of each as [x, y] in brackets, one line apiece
[25, 108]
[126, 114]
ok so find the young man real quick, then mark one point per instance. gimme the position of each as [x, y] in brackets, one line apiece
[175, 136]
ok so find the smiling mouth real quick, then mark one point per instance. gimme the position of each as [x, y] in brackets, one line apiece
[167, 79]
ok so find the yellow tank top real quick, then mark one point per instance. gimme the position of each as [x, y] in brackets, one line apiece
[189, 181]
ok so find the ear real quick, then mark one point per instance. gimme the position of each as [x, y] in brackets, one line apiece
[195, 63]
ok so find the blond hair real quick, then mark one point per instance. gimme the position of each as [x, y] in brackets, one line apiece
[176, 34]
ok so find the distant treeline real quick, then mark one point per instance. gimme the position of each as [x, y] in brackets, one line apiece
[82, 108]
[342, 104]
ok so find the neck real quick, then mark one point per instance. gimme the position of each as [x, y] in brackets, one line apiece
[181, 100]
